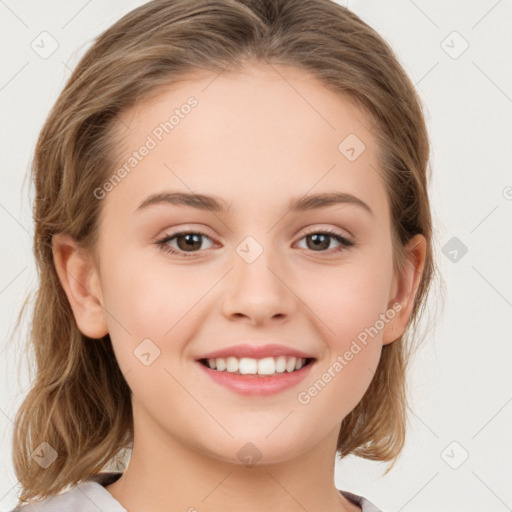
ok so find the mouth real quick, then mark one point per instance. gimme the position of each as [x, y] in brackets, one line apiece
[264, 367]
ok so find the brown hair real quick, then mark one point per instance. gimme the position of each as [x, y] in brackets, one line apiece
[79, 402]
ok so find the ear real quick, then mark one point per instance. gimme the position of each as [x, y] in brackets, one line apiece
[405, 287]
[80, 280]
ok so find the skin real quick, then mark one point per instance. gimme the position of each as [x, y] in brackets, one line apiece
[256, 142]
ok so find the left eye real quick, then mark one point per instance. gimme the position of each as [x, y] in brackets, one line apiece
[190, 241]
[321, 239]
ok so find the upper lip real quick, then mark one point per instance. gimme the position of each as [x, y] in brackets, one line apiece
[256, 352]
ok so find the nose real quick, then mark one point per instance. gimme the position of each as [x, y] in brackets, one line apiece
[259, 291]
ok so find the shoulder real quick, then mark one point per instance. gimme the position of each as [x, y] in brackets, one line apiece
[365, 504]
[88, 496]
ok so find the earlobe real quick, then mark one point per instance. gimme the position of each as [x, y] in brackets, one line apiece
[80, 281]
[406, 287]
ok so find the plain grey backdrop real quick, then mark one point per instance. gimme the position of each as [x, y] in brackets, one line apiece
[458, 451]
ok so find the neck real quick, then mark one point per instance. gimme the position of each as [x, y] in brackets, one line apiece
[164, 474]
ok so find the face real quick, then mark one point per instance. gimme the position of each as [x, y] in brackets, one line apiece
[180, 279]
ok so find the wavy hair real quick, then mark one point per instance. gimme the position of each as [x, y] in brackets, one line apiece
[79, 402]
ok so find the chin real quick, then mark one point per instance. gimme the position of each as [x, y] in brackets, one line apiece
[254, 448]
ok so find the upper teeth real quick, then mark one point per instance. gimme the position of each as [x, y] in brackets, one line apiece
[265, 366]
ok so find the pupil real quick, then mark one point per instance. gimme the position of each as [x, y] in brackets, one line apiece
[191, 241]
[320, 240]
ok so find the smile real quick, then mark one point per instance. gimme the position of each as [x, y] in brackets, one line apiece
[257, 377]
[251, 366]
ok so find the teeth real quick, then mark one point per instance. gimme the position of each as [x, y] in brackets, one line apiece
[290, 365]
[280, 364]
[231, 364]
[266, 366]
[250, 366]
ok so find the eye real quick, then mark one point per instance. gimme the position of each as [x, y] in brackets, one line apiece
[319, 240]
[186, 241]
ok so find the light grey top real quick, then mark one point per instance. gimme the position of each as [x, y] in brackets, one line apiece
[91, 496]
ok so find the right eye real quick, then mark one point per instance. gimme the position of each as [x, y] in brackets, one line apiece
[185, 240]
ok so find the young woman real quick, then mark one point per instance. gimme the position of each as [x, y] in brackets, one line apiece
[233, 236]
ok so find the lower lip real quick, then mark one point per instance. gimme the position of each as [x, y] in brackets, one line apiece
[256, 384]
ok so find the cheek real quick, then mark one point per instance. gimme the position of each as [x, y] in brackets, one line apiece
[348, 304]
[349, 298]
[150, 298]
[154, 302]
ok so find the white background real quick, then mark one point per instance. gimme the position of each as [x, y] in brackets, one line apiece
[461, 379]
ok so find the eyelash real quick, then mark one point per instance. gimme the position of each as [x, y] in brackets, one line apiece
[162, 243]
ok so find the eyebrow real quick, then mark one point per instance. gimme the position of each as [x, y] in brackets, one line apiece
[217, 204]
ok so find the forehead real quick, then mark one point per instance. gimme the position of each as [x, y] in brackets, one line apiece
[266, 133]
